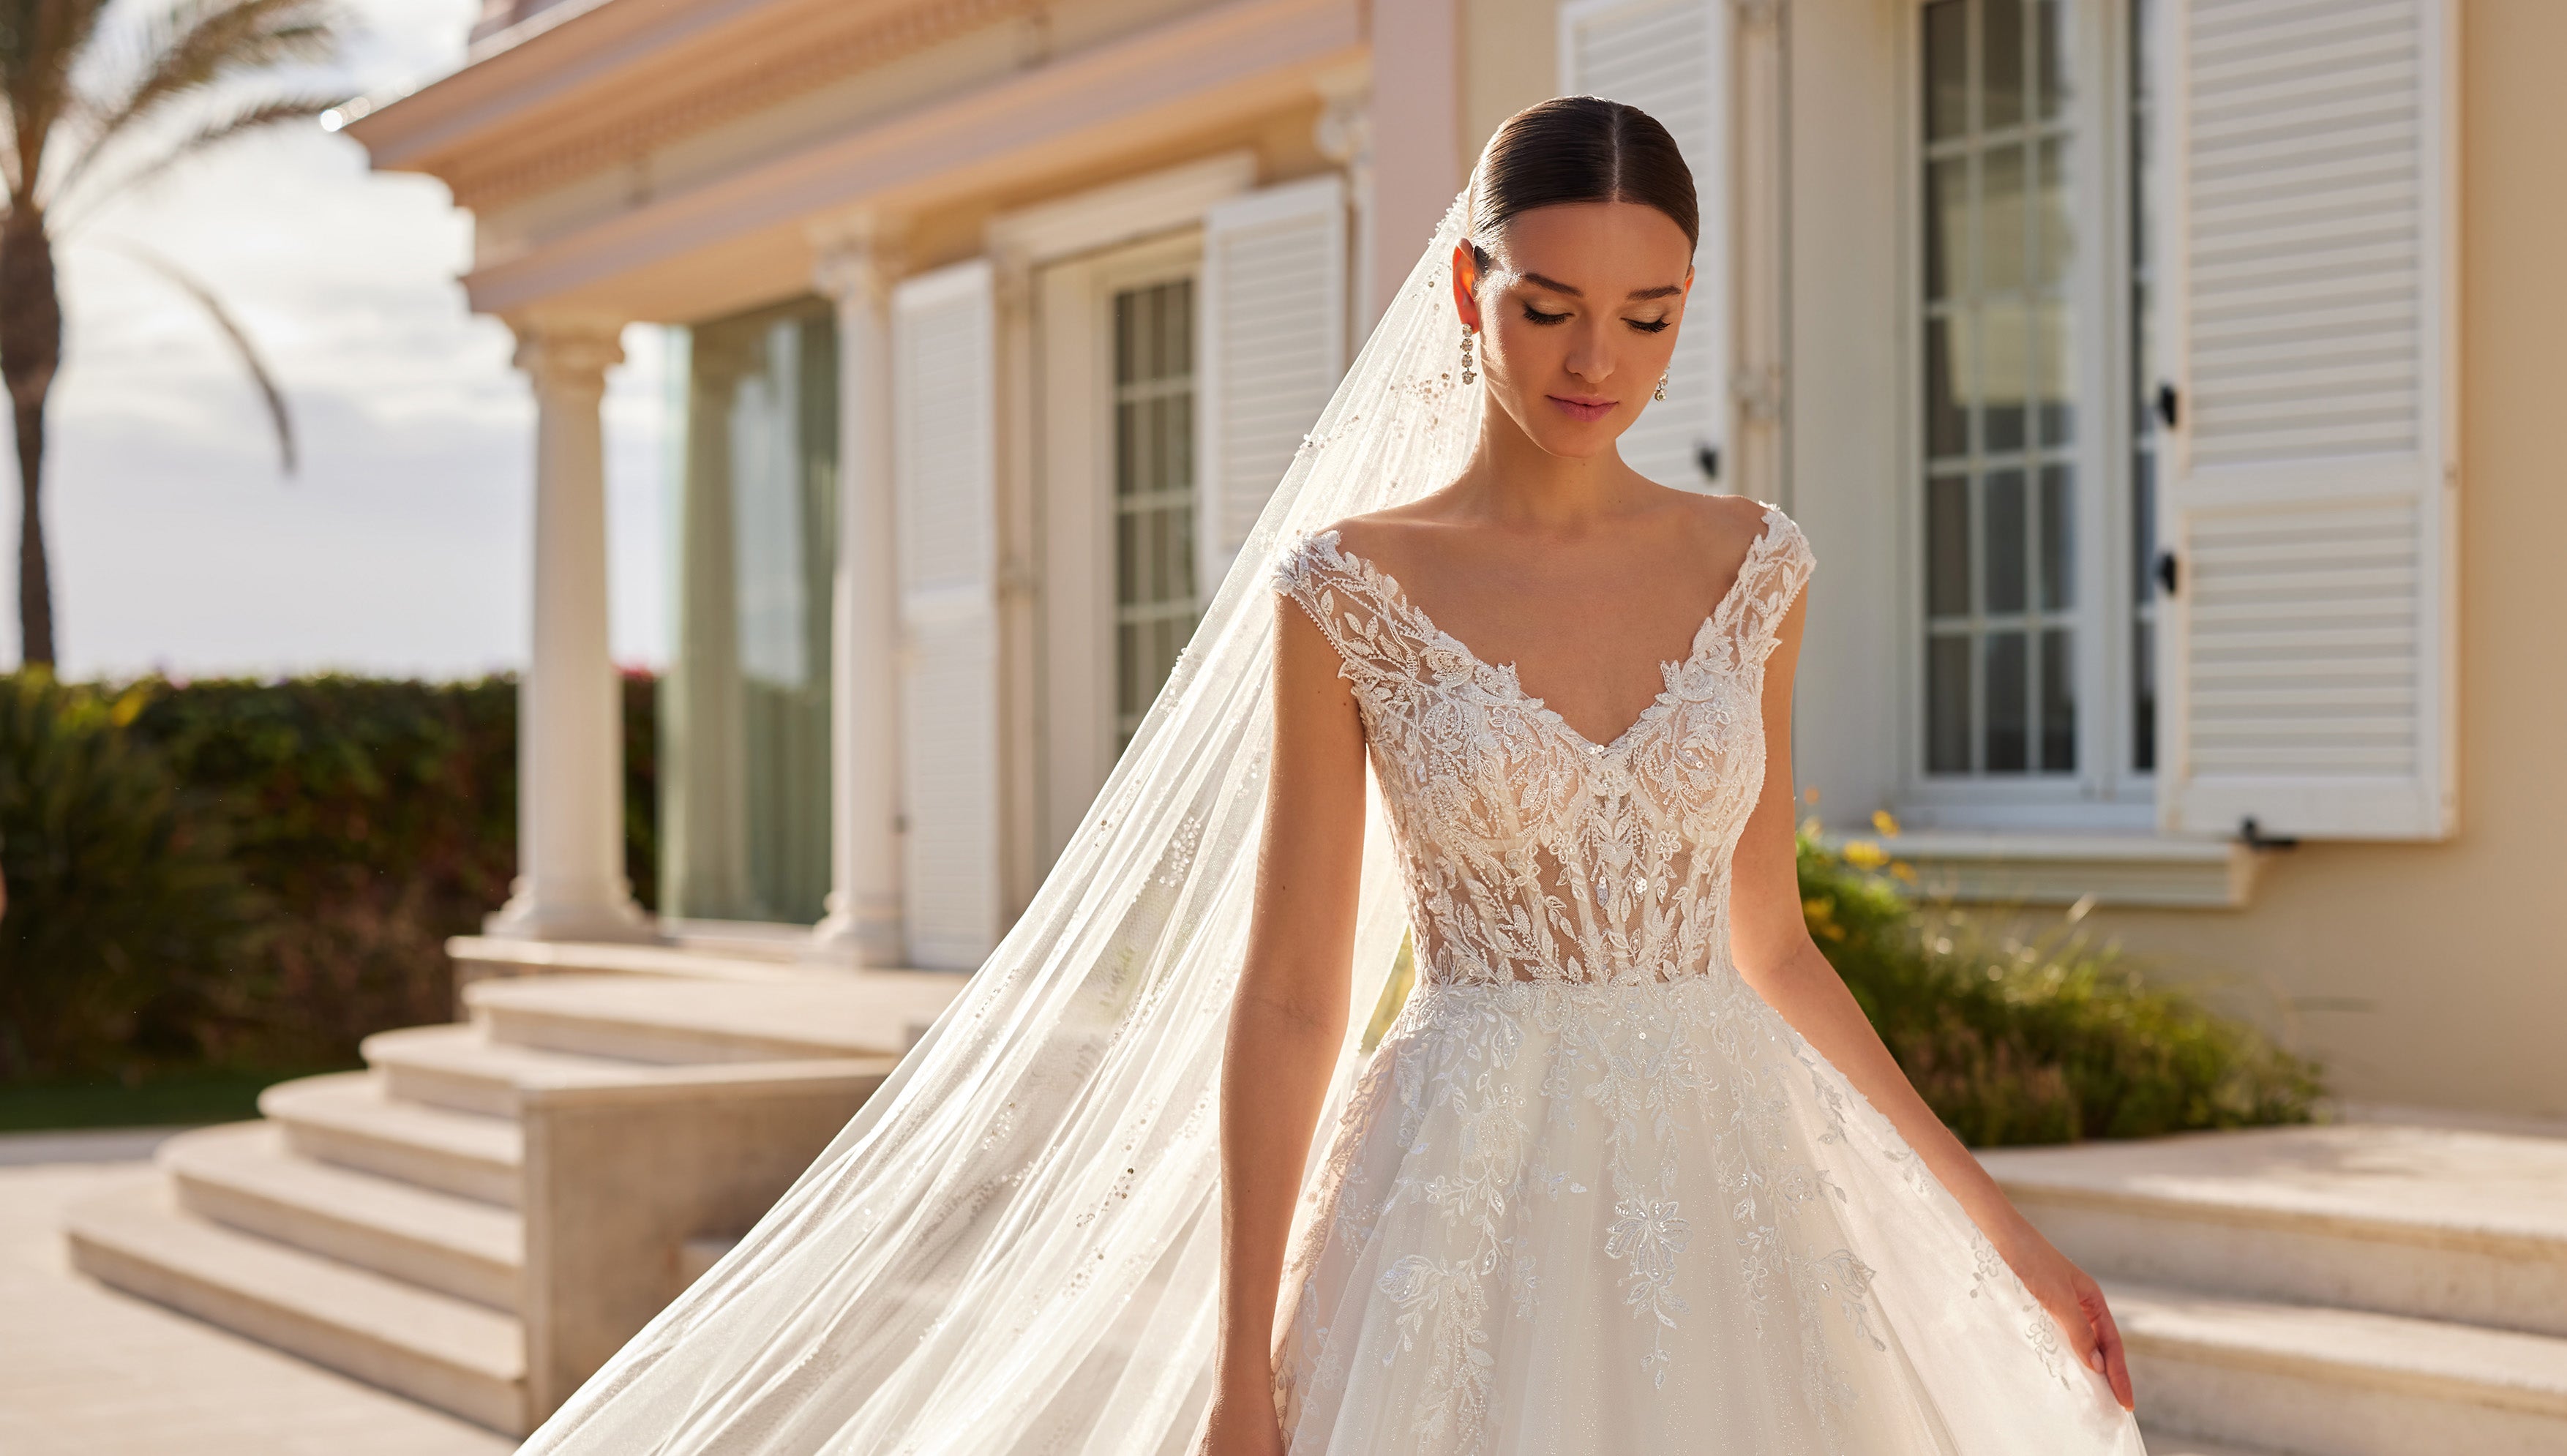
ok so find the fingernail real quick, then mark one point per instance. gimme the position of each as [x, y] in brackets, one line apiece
[2094, 1360]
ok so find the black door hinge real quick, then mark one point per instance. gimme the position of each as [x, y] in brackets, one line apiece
[2165, 572]
[2169, 406]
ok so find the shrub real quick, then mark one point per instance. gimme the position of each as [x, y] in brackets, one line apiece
[2050, 1038]
[356, 822]
[125, 912]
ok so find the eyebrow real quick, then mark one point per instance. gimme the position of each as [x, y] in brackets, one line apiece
[1636, 295]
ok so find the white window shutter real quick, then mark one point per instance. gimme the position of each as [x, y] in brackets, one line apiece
[1670, 58]
[1269, 348]
[2310, 647]
[944, 381]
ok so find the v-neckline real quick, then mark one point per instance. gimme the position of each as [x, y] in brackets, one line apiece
[1703, 634]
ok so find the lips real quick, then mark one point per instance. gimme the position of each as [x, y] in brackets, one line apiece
[1583, 408]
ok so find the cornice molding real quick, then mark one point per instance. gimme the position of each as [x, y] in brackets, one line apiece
[725, 93]
[1231, 60]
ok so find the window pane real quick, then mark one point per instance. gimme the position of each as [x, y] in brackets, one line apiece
[2054, 248]
[1946, 422]
[2050, 49]
[2001, 204]
[1947, 704]
[2058, 537]
[2144, 526]
[1948, 546]
[2005, 375]
[1946, 75]
[2009, 735]
[2144, 717]
[1947, 237]
[2057, 703]
[2004, 513]
[2001, 105]
[2057, 389]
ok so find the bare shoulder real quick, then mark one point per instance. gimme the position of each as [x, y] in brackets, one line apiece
[1392, 532]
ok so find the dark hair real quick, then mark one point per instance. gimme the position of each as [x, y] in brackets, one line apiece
[1578, 148]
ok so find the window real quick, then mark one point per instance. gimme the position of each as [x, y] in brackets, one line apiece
[2032, 504]
[2000, 408]
[1155, 593]
[744, 709]
[2143, 415]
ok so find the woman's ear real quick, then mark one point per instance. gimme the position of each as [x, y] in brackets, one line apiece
[1466, 282]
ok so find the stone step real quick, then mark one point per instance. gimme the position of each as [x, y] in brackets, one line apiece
[2435, 1223]
[447, 1352]
[461, 1068]
[2343, 1383]
[244, 1175]
[821, 1016]
[346, 1118]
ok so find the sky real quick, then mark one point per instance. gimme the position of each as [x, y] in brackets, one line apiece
[401, 546]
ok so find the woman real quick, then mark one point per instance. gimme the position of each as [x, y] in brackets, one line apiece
[1613, 1180]
[1596, 1191]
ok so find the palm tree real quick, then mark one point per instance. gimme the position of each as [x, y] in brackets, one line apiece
[95, 107]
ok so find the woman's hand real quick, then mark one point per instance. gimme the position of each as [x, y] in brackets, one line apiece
[1241, 1423]
[2074, 1300]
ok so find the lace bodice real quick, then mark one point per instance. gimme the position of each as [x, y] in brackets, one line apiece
[1529, 852]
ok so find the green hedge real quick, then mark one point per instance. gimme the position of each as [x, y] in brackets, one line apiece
[358, 823]
[2014, 1036]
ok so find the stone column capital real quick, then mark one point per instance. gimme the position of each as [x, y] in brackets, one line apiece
[1343, 133]
[856, 257]
[568, 355]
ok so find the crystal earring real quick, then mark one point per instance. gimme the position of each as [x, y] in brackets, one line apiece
[1660, 391]
[1466, 375]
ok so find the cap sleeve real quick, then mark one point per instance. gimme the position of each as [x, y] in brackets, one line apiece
[1778, 566]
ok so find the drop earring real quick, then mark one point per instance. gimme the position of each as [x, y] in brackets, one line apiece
[1660, 393]
[1466, 375]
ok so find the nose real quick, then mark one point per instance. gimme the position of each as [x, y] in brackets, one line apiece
[1591, 355]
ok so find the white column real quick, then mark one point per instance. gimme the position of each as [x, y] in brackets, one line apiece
[856, 267]
[570, 734]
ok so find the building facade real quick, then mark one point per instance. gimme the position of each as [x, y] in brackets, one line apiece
[2111, 352]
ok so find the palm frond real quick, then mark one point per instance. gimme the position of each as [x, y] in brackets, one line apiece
[267, 111]
[42, 42]
[197, 46]
[279, 416]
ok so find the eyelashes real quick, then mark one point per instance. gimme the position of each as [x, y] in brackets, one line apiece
[1537, 316]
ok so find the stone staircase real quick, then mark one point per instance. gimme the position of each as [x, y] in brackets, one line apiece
[491, 1208]
[2359, 1289]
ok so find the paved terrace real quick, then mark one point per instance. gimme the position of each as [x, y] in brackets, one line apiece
[88, 1372]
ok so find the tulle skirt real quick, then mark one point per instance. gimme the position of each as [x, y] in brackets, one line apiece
[1565, 1218]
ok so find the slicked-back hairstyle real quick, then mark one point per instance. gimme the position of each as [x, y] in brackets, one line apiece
[1578, 148]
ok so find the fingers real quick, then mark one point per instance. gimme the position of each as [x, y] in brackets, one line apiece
[2110, 1360]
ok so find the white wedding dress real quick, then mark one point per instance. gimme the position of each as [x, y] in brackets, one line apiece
[1591, 1194]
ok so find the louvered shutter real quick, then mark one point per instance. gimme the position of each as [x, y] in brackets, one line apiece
[945, 492]
[2310, 648]
[1669, 57]
[1269, 348]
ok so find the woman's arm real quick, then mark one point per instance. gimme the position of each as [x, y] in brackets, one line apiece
[1770, 941]
[1289, 1016]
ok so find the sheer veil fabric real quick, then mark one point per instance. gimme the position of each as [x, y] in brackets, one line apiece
[1013, 1247]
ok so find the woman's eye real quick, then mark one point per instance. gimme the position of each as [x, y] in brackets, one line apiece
[1648, 326]
[1537, 316]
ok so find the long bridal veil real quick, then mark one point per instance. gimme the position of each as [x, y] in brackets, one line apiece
[1013, 1247]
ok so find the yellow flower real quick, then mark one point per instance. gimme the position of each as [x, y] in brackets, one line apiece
[1865, 855]
[1903, 870]
[1881, 821]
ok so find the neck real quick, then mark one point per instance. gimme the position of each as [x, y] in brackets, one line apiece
[1511, 480]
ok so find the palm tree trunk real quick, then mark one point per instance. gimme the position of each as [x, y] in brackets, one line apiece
[31, 347]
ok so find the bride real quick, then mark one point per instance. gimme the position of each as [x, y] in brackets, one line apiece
[1629, 1172]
